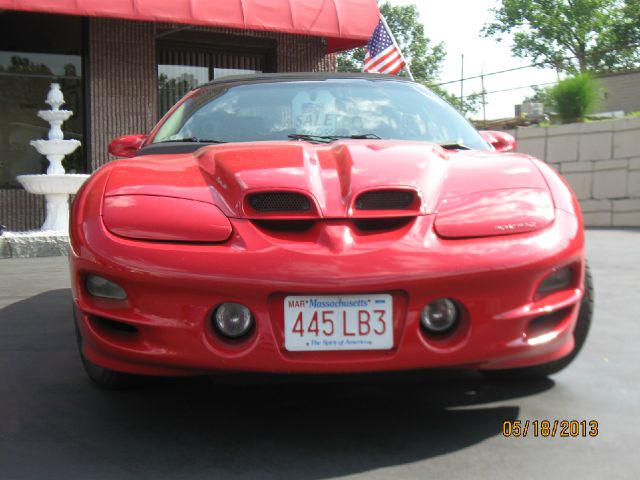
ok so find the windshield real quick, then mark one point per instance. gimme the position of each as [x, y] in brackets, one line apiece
[332, 108]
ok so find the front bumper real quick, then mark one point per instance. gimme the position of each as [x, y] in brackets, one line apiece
[174, 288]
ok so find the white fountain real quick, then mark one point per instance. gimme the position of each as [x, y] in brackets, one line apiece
[56, 185]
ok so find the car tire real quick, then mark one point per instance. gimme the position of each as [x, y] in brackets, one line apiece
[100, 376]
[579, 337]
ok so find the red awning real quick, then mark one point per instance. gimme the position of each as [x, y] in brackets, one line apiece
[344, 23]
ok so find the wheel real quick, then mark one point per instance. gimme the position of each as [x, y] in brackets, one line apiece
[101, 377]
[579, 338]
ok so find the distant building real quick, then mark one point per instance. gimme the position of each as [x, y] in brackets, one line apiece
[621, 92]
[529, 109]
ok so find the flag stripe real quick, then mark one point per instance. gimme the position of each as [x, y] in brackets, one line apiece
[381, 67]
[391, 66]
[393, 72]
[381, 59]
[392, 59]
[389, 56]
[374, 62]
[380, 54]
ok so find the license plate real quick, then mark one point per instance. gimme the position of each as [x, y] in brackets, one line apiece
[343, 322]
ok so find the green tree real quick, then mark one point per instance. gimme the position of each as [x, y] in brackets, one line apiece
[571, 35]
[627, 30]
[424, 57]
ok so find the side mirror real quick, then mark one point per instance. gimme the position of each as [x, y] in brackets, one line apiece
[501, 141]
[126, 146]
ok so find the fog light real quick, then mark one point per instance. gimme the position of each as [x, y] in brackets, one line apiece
[439, 316]
[101, 287]
[233, 319]
[557, 280]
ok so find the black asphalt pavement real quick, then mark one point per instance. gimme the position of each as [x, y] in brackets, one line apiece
[54, 424]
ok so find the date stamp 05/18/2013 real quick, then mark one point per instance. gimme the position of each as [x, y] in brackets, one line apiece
[550, 428]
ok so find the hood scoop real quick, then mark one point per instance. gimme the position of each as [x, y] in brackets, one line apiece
[276, 202]
[387, 200]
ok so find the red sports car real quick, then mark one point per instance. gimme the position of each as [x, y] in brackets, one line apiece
[325, 223]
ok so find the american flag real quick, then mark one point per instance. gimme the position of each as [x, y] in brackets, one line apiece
[383, 56]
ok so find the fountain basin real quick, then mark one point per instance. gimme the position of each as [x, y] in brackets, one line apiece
[55, 115]
[55, 147]
[67, 184]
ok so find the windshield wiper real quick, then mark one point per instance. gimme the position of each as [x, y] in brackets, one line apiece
[454, 146]
[332, 138]
[191, 140]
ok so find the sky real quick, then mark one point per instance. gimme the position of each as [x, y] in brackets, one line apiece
[458, 23]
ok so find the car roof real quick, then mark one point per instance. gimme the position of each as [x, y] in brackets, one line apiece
[293, 76]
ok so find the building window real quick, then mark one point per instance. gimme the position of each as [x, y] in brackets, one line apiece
[174, 80]
[194, 58]
[35, 51]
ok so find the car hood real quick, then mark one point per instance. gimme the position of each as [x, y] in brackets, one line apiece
[330, 175]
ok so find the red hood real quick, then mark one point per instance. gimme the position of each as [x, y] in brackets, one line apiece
[331, 174]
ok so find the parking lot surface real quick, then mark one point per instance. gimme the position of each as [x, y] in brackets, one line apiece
[55, 424]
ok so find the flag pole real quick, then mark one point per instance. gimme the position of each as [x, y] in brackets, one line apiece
[395, 44]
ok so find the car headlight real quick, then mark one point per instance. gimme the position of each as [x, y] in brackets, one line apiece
[149, 217]
[495, 212]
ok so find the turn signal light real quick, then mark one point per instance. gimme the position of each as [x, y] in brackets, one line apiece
[101, 287]
[558, 280]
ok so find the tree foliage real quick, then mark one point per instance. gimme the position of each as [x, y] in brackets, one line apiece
[571, 35]
[627, 30]
[424, 57]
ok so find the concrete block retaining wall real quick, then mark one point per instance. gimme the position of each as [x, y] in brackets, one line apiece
[601, 162]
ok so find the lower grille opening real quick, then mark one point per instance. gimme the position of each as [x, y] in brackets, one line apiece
[378, 224]
[368, 225]
[113, 326]
[547, 323]
[284, 225]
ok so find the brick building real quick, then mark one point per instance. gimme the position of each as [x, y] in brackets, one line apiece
[122, 65]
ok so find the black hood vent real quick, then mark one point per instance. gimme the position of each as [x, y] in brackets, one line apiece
[279, 202]
[385, 200]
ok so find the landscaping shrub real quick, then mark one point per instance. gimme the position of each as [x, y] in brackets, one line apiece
[573, 98]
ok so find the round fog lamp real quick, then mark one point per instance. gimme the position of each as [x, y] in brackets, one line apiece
[233, 319]
[439, 316]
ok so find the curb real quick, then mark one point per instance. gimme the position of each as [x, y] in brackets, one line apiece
[33, 244]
